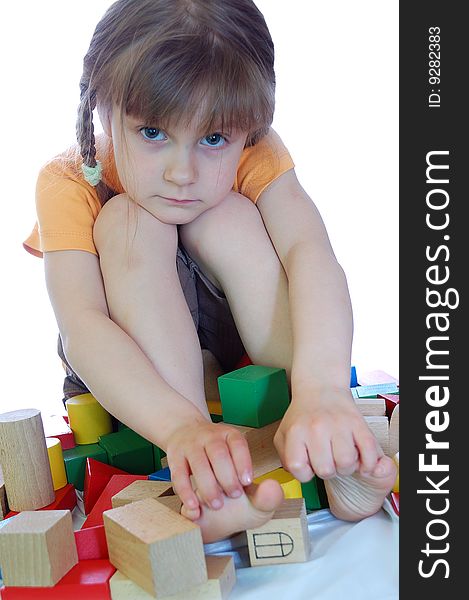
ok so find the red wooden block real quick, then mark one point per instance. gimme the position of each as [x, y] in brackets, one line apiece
[91, 543]
[395, 502]
[56, 426]
[116, 484]
[243, 362]
[391, 401]
[88, 579]
[97, 476]
[376, 377]
[65, 499]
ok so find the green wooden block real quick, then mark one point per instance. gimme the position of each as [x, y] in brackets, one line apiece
[372, 391]
[75, 462]
[158, 454]
[314, 494]
[254, 395]
[128, 451]
[354, 392]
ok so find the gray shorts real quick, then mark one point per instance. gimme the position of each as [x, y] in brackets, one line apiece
[211, 315]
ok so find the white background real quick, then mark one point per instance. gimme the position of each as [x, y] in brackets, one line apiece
[337, 112]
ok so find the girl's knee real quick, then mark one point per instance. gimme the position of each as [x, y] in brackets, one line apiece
[122, 225]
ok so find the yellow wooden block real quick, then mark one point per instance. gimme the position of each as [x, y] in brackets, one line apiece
[221, 579]
[291, 487]
[283, 539]
[160, 550]
[395, 487]
[87, 419]
[37, 548]
[56, 461]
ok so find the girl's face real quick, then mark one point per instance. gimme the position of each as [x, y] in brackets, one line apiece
[175, 174]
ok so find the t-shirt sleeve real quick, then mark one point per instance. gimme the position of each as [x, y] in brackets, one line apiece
[261, 164]
[66, 211]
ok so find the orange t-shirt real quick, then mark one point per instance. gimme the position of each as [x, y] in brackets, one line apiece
[67, 206]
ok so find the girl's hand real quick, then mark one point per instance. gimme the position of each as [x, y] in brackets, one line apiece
[325, 434]
[218, 457]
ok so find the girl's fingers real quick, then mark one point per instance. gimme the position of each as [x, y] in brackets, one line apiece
[241, 457]
[320, 455]
[180, 479]
[295, 458]
[345, 455]
[221, 461]
[369, 450]
[207, 485]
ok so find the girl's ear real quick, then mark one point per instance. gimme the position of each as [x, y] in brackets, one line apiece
[105, 118]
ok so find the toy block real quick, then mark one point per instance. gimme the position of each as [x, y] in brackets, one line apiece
[375, 407]
[221, 580]
[291, 487]
[56, 462]
[214, 407]
[395, 502]
[97, 476]
[394, 431]
[37, 548]
[91, 543]
[56, 426]
[172, 502]
[395, 487]
[244, 361]
[3, 497]
[376, 377]
[283, 539]
[372, 391]
[65, 499]
[147, 541]
[139, 490]
[353, 377]
[354, 393]
[314, 494]
[391, 401]
[75, 462]
[261, 446]
[161, 475]
[89, 579]
[380, 428]
[114, 485]
[87, 418]
[254, 396]
[25, 462]
[129, 451]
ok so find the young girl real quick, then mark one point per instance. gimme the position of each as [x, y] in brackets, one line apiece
[182, 232]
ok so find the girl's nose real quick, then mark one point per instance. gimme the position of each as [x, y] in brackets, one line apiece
[181, 168]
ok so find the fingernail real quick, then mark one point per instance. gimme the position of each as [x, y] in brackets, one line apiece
[246, 478]
[236, 493]
[216, 504]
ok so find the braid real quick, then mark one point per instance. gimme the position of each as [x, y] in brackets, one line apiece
[85, 127]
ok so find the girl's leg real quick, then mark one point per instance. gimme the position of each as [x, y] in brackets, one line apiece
[138, 261]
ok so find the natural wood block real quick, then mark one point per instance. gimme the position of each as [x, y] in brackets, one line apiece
[37, 548]
[394, 431]
[395, 487]
[139, 490]
[380, 427]
[3, 497]
[375, 407]
[261, 446]
[172, 502]
[283, 539]
[160, 550]
[25, 463]
[221, 580]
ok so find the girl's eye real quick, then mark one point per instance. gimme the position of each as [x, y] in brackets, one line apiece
[152, 133]
[214, 140]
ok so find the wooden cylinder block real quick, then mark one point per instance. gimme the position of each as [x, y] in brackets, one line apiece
[24, 460]
[57, 464]
[87, 419]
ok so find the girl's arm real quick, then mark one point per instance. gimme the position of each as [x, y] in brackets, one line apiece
[332, 431]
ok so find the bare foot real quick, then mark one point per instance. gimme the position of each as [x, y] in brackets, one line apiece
[252, 509]
[357, 496]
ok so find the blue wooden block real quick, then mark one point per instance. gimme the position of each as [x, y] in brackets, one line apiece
[161, 475]
[353, 377]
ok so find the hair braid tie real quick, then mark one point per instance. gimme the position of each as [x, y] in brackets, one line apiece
[92, 174]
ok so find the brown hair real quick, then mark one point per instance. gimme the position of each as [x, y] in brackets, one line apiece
[167, 61]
